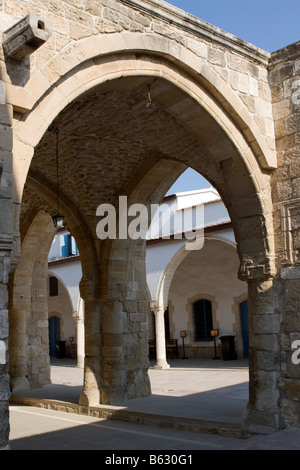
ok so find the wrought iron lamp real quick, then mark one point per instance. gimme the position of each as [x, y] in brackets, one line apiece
[58, 220]
[214, 334]
[183, 335]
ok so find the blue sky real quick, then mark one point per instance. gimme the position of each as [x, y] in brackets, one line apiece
[268, 24]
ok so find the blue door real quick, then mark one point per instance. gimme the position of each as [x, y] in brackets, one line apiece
[245, 326]
[54, 334]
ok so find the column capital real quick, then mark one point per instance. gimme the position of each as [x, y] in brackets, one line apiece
[156, 308]
[77, 316]
[255, 270]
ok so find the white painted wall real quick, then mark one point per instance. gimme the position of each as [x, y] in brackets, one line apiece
[61, 307]
[159, 255]
[210, 272]
[70, 274]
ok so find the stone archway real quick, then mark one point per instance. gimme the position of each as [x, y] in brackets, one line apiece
[60, 305]
[235, 108]
[192, 125]
[28, 311]
[243, 173]
[39, 193]
[167, 277]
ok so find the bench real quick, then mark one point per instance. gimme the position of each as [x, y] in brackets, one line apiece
[152, 349]
[171, 348]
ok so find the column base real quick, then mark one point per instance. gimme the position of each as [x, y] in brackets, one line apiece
[19, 383]
[162, 365]
[89, 397]
[110, 396]
[80, 362]
[262, 422]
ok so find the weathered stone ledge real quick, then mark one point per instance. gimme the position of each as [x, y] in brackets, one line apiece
[116, 413]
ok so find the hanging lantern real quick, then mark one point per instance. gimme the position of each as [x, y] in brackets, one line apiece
[58, 220]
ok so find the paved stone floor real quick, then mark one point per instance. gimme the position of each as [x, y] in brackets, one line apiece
[190, 392]
[195, 389]
[39, 429]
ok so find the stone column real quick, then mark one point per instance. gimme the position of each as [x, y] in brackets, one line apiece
[124, 323]
[79, 316]
[262, 415]
[29, 337]
[19, 312]
[113, 386]
[284, 79]
[38, 327]
[161, 359]
[6, 245]
[92, 364]
[4, 366]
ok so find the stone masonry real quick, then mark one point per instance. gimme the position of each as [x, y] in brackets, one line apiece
[219, 105]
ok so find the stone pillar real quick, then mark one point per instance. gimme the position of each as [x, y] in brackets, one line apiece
[125, 324]
[79, 316]
[29, 337]
[38, 327]
[262, 415]
[92, 364]
[6, 244]
[113, 373]
[135, 341]
[4, 366]
[19, 312]
[284, 79]
[161, 359]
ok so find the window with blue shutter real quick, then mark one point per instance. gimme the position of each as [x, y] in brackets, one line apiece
[68, 246]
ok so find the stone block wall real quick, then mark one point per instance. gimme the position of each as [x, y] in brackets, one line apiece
[5, 259]
[239, 65]
[284, 78]
[255, 98]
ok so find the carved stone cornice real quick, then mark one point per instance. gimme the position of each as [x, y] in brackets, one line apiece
[6, 243]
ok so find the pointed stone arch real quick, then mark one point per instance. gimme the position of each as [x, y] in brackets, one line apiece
[197, 80]
[90, 284]
[241, 164]
[168, 274]
[28, 310]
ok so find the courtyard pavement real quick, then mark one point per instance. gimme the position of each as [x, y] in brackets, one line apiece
[194, 405]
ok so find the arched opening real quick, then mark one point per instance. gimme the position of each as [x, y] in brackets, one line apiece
[65, 268]
[201, 292]
[202, 297]
[28, 309]
[112, 144]
[62, 319]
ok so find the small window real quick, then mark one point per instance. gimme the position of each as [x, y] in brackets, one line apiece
[203, 322]
[53, 286]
